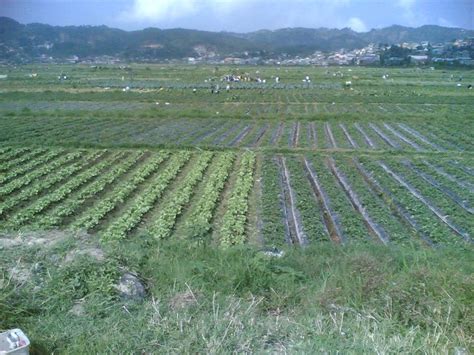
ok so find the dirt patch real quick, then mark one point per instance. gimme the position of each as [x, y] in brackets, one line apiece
[182, 300]
[93, 252]
[20, 274]
[31, 239]
[47, 239]
[78, 309]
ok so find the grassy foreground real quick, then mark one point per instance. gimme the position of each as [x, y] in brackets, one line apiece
[355, 299]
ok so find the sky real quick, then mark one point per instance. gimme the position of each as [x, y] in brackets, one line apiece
[242, 15]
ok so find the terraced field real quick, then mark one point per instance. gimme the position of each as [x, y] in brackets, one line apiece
[280, 164]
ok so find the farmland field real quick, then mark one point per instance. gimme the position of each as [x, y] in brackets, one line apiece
[387, 160]
[146, 156]
[310, 197]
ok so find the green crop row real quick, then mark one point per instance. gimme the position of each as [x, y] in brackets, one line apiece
[145, 201]
[59, 194]
[272, 220]
[9, 153]
[99, 210]
[50, 180]
[7, 165]
[24, 168]
[163, 224]
[69, 206]
[45, 170]
[199, 222]
[232, 229]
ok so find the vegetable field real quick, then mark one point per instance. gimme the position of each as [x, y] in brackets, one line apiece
[386, 161]
[225, 133]
[204, 196]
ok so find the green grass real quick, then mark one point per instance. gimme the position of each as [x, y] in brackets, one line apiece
[364, 299]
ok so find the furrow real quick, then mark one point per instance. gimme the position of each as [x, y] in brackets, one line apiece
[296, 135]
[312, 135]
[226, 134]
[207, 134]
[283, 206]
[384, 137]
[430, 180]
[426, 202]
[75, 202]
[144, 202]
[329, 135]
[463, 184]
[240, 136]
[373, 227]
[367, 139]
[297, 228]
[465, 169]
[91, 217]
[39, 205]
[163, 224]
[43, 186]
[397, 209]
[24, 181]
[24, 169]
[420, 137]
[348, 136]
[403, 138]
[331, 220]
[276, 134]
[13, 154]
[260, 135]
[24, 159]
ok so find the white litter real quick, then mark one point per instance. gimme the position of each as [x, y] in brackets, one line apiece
[14, 342]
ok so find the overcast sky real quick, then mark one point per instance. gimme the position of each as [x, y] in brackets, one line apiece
[242, 15]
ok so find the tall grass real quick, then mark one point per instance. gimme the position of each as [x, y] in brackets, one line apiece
[367, 299]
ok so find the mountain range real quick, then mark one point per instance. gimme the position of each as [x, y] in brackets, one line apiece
[33, 40]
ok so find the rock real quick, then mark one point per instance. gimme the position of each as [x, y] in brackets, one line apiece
[130, 287]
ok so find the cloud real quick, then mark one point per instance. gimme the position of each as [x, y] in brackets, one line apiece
[406, 4]
[357, 24]
[153, 10]
[408, 11]
[169, 10]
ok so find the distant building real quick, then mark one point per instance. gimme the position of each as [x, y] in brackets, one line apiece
[233, 60]
[419, 59]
